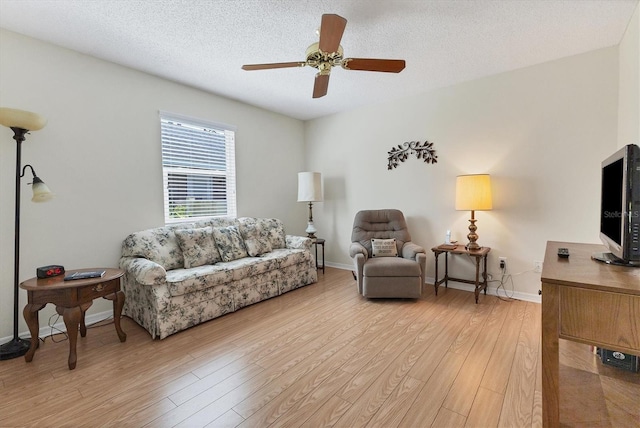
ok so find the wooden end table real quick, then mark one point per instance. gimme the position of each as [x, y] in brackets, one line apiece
[478, 255]
[72, 299]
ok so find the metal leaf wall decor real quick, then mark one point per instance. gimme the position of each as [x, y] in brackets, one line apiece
[424, 151]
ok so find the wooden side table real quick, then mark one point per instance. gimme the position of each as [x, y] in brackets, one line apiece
[479, 256]
[319, 241]
[72, 299]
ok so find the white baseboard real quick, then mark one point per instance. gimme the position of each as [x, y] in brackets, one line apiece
[491, 290]
[59, 326]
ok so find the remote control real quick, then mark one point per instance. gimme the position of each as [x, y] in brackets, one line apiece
[563, 252]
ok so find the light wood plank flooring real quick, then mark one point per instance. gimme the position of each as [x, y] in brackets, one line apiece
[321, 356]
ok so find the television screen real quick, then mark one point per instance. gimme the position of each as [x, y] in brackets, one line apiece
[620, 207]
[611, 215]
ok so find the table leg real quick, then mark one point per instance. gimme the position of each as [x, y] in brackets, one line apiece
[435, 283]
[118, 303]
[446, 270]
[484, 275]
[83, 325]
[30, 314]
[71, 317]
[550, 356]
[477, 290]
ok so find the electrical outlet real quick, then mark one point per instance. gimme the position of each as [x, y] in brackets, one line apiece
[537, 266]
[503, 262]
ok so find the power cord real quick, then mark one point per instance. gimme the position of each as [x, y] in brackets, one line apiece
[53, 329]
[504, 279]
[56, 331]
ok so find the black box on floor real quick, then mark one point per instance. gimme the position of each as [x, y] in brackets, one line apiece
[619, 359]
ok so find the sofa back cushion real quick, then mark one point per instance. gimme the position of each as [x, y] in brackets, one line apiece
[270, 230]
[229, 243]
[256, 235]
[198, 247]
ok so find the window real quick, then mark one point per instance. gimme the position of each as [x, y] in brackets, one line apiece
[198, 169]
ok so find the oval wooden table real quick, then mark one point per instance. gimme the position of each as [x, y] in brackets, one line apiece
[72, 299]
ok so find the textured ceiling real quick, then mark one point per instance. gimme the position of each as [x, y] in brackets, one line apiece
[203, 43]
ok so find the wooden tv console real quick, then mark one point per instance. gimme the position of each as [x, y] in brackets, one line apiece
[585, 301]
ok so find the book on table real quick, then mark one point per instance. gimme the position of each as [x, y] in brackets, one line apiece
[85, 275]
[447, 246]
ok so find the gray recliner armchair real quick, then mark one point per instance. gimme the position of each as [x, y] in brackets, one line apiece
[401, 276]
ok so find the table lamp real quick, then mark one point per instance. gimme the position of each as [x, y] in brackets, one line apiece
[473, 193]
[310, 190]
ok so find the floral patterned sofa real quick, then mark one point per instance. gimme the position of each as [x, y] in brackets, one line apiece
[178, 276]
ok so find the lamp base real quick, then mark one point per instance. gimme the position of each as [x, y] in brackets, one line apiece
[311, 230]
[15, 348]
[472, 236]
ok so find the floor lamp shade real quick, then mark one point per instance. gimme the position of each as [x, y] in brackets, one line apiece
[473, 193]
[14, 118]
[310, 190]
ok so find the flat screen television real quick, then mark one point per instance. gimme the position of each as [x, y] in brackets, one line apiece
[620, 207]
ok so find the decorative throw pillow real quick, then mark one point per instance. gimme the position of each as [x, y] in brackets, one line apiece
[198, 247]
[255, 235]
[229, 243]
[384, 247]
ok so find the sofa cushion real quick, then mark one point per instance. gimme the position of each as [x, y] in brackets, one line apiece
[184, 281]
[289, 257]
[272, 229]
[229, 243]
[198, 247]
[250, 266]
[255, 234]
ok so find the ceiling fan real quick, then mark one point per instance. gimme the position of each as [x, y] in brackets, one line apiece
[327, 53]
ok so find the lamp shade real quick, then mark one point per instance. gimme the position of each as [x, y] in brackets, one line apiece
[14, 118]
[309, 187]
[41, 192]
[473, 192]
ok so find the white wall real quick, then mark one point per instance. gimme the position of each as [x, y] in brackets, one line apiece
[541, 132]
[100, 154]
[629, 101]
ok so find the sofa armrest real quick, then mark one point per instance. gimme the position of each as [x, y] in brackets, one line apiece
[144, 271]
[298, 242]
[411, 250]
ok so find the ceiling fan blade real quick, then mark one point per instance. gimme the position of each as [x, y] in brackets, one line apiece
[370, 64]
[331, 30]
[251, 67]
[321, 85]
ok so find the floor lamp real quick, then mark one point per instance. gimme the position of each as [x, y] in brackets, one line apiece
[21, 122]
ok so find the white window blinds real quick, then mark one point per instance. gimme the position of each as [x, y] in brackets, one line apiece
[198, 168]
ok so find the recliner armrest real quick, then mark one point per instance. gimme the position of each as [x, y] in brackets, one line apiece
[410, 250]
[358, 248]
